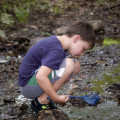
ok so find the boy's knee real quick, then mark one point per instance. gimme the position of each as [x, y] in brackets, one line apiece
[70, 64]
[73, 66]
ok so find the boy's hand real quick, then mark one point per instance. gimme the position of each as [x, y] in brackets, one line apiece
[63, 98]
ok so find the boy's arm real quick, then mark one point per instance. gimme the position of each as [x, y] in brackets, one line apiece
[45, 84]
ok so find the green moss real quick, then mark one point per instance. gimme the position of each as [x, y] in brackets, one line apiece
[106, 79]
[109, 41]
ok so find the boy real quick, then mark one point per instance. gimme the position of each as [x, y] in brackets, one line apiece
[45, 67]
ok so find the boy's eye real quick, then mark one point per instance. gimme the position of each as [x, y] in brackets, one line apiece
[84, 49]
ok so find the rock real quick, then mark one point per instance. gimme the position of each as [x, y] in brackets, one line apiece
[114, 88]
[10, 52]
[77, 102]
[3, 61]
[4, 116]
[23, 107]
[1, 102]
[15, 44]
[2, 48]
[8, 45]
[54, 114]
[70, 92]
[118, 96]
[73, 86]
[97, 25]
[8, 99]
[60, 31]
[36, 39]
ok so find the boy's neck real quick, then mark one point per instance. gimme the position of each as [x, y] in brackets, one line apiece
[65, 41]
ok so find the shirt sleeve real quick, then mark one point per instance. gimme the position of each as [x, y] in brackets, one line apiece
[52, 59]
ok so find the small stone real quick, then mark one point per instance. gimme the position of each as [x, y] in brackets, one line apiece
[73, 86]
[10, 52]
[60, 31]
[8, 45]
[15, 44]
[1, 102]
[97, 25]
[8, 99]
[23, 107]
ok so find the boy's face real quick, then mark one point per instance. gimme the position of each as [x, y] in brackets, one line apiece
[78, 47]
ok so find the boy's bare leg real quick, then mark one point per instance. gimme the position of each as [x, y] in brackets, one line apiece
[71, 68]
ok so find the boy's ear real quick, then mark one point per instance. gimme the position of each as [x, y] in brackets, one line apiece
[77, 37]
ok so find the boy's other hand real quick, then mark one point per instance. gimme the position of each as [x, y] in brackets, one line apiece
[63, 98]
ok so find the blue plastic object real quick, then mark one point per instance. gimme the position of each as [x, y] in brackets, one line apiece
[91, 99]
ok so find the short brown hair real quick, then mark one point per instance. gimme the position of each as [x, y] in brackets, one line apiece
[84, 29]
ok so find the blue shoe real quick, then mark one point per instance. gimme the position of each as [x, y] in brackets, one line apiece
[52, 106]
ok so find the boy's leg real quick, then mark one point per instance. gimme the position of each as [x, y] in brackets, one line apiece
[32, 90]
[72, 68]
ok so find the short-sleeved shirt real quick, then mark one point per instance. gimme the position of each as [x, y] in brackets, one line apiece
[47, 52]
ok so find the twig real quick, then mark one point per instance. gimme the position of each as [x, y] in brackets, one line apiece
[108, 7]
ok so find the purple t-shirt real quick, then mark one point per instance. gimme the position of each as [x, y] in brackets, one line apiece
[48, 52]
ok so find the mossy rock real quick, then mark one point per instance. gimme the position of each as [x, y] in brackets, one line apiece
[54, 114]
